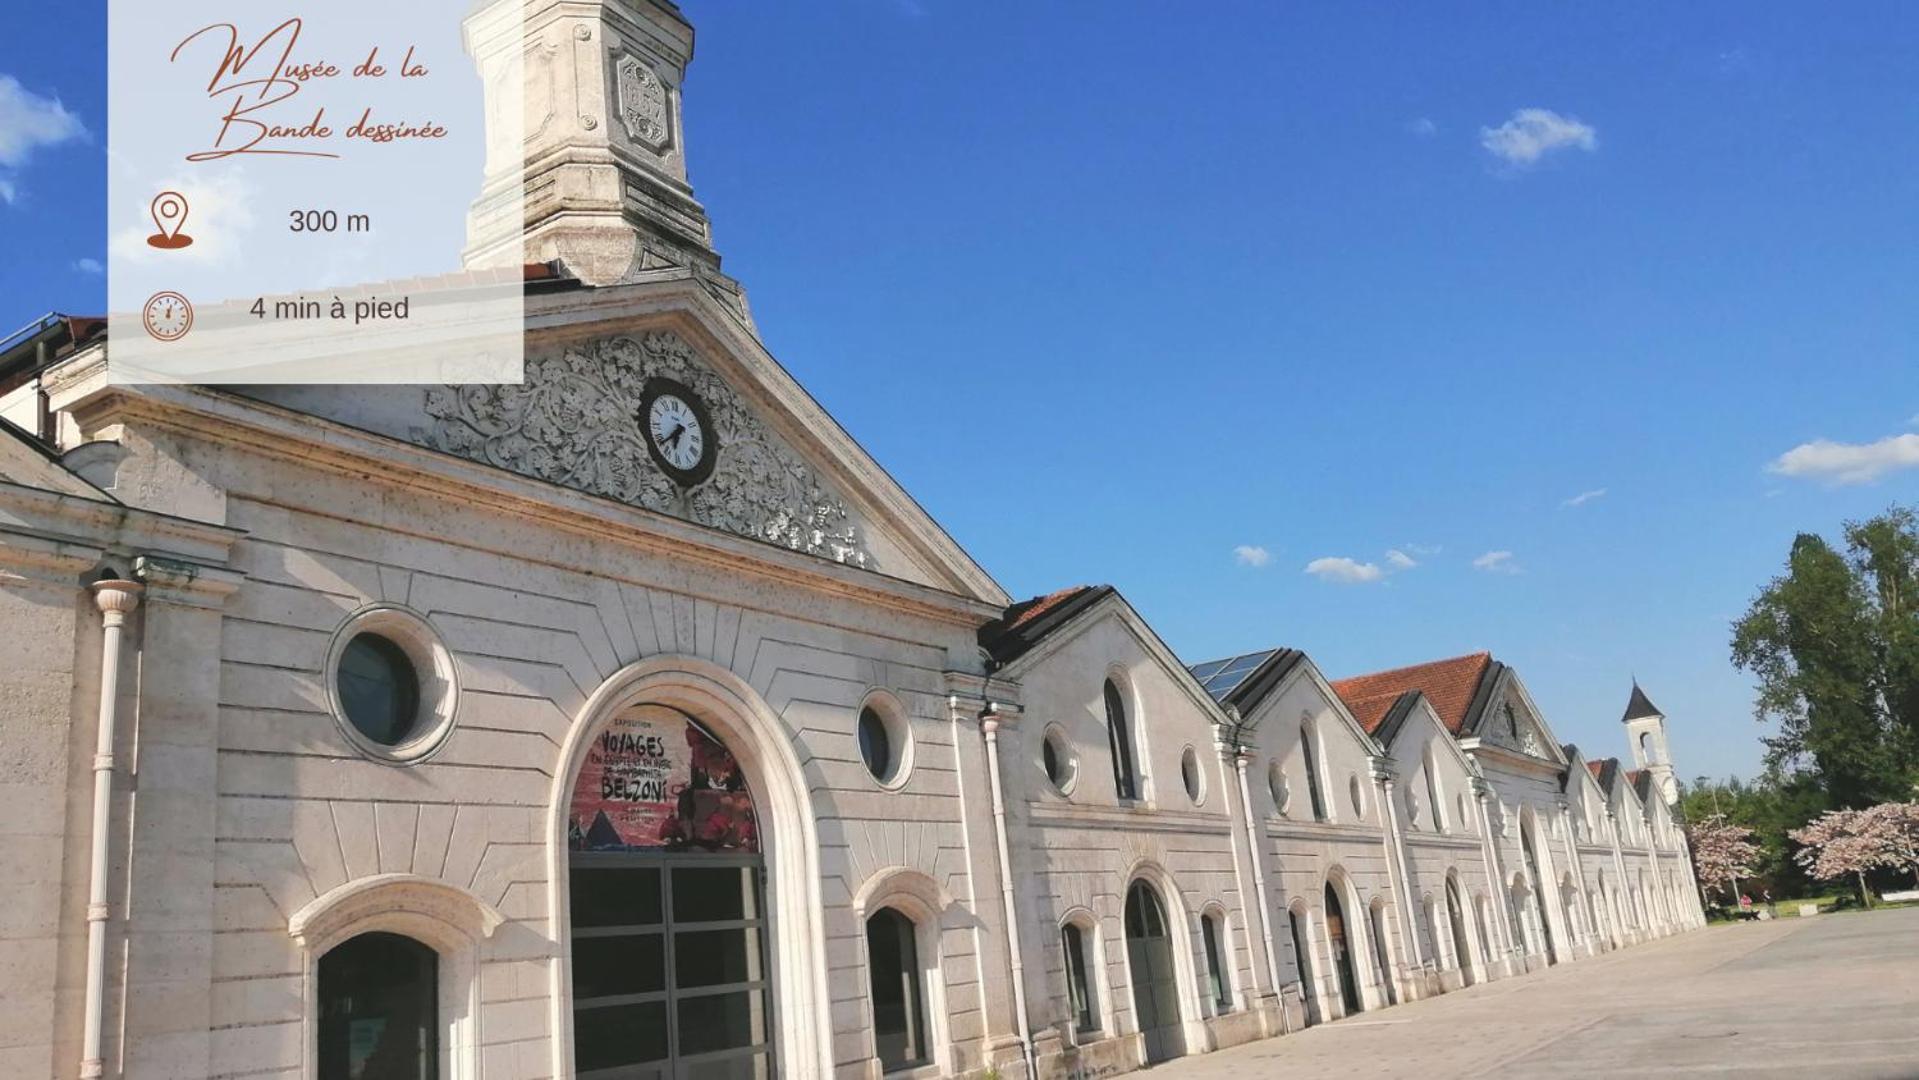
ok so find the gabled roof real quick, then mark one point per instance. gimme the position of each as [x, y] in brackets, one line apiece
[1242, 681]
[1023, 625]
[1371, 712]
[1639, 706]
[1457, 688]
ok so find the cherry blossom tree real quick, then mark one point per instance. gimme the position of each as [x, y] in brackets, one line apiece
[1837, 843]
[1722, 853]
[1894, 828]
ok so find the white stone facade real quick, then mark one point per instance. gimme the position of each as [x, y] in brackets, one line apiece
[543, 575]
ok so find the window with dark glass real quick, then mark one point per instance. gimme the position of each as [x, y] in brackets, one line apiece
[1085, 1008]
[379, 1010]
[1049, 757]
[1121, 735]
[1432, 793]
[1312, 772]
[876, 746]
[898, 986]
[1216, 981]
[379, 689]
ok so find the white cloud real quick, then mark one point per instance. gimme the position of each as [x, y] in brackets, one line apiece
[1399, 560]
[1345, 571]
[1533, 133]
[1496, 562]
[1252, 555]
[1848, 463]
[1585, 497]
[89, 266]
[1423, 127]
[28, 122]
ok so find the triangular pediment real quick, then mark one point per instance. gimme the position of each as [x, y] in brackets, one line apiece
[771, 466]
[1511, 721]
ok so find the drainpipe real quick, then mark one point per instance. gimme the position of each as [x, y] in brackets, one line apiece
[1240, 759]
[115, 598]
[1619, 862]
[989, 724]
[1575, 914]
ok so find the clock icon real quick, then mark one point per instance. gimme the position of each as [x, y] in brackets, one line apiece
[167, 316]
[678, 431]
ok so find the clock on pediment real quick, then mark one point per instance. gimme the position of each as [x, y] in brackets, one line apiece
[678, 430]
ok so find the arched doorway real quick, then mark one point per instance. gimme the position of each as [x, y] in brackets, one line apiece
[379, 1009]
[1342, 952]
[1456, 921]
[666, 886]
[1529, 844]
[1149, 950]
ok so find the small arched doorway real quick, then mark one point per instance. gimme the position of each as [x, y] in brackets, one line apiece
[1336, 939]
[666, 896]
[379, 1009]
[1149, 951]
[1456, 922]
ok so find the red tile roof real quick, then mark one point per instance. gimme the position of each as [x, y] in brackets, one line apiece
[1596, 767]
[1449, 684]
[1033, 610]
[1371, 711]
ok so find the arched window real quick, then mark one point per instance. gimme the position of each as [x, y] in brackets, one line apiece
[1078, 987]
[379, 1009]
[1432, 792]
[1306, 748]
[1121, 734]
[1218, 984]
[899, 991]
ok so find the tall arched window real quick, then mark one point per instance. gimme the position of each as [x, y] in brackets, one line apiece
[899, 991]
[1078, 987]
[1125, 781]
[379, 1009]
[1218, 983]
[1432, 792]
[1306, 748]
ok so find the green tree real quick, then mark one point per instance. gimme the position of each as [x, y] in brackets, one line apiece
[1834, 646]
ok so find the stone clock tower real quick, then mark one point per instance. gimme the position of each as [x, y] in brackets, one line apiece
[605, 186]
[1646, 729]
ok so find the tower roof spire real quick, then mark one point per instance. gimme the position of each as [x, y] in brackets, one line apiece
[1639, 706]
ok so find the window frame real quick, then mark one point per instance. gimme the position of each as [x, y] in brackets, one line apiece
[1119, 737]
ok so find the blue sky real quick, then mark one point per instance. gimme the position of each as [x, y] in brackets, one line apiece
[1117, 289]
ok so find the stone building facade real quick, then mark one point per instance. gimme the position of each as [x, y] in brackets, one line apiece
[513, 732]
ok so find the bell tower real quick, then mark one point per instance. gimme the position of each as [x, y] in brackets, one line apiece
[605, 185]
[1646, 729]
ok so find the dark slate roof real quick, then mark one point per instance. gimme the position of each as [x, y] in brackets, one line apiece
[1641, 784]
[1639, 706]
[1606, 773]
[1024, 625]
[1386, 728]
[1242, 681]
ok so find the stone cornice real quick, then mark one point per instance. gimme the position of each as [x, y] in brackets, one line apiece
[272, 431]
[116, 524]
[191, 584]
[1141, 818]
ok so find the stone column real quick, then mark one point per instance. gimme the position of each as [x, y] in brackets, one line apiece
[1397, 872]
[175, 786]
[1496, 894]
[1259, 901]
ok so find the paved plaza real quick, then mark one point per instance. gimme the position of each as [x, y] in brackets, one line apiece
[1831, 996]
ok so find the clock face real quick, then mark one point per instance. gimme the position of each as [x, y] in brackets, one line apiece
[167, 316]
[678, 433]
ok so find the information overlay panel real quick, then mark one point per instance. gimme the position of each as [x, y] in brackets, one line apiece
[315, 193]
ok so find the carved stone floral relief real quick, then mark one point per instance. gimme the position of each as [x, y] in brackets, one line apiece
[574, 422]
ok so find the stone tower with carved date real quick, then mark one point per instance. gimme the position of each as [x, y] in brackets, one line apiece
[605, 184]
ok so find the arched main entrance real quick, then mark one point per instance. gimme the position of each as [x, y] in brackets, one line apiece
[1529, 844]
[1456, 921]
[1303, 957]
[1342, 952]
[1149, 950]
[667, 904]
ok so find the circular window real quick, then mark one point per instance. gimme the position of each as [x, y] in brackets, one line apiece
[885, 746]
[1357, 794]
[391, 684]
[1189, 772]
[1276, 784]
[1056, 758]
[379, 689]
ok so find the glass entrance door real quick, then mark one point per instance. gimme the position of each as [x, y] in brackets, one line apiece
[669, 967]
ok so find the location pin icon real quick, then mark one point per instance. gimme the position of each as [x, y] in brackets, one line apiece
[169, 214]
